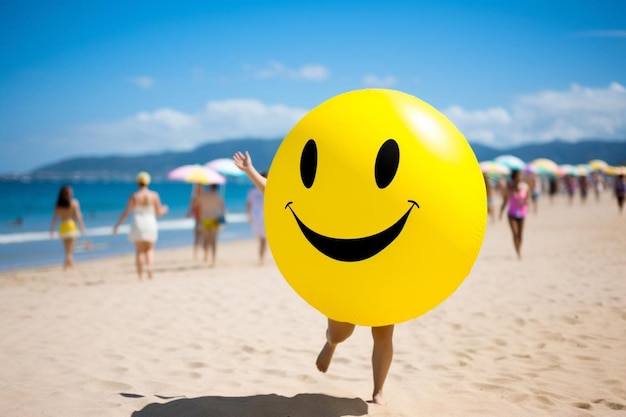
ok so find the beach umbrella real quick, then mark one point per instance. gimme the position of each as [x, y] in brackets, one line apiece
[225, 166]
[584, 169]
[492, 167]
[567, 169]
[511, 161]
[544, 166]
[598, 164]
[199, 174]
[619, 170]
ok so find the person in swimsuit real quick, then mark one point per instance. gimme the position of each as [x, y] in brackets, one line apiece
[337, 332]
[146, 207]
[516, 195]
[67, 210]
[195, 213]
[254, 208]
[553, 188]
[597, 181]
[583, 186]
[212, 211]
[620, 191]
[537, 186]
[570, 186]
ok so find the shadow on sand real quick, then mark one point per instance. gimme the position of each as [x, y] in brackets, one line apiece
[272, 405]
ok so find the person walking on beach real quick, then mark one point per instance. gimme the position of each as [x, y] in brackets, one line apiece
[210, 206]
[597, 181]
[583, 186]
[516, 195]
[489, 189]
[620, 191]
[570, 186]
[537, 186]
[254, 207]
[553, 188]
[337, 332]
[195, 213]
[67, 209]
[146, 207]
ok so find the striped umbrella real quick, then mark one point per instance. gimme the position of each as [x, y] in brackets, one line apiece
[198, 174]
[598, 164]
[618, 170]
[584, 169]
[511, 161]
[225, 166]
[567, 169]
[544, 166]
[492, 167]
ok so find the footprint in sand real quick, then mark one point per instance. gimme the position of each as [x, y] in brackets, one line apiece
[119, 370]
[610, 404]
[196, 365]
[110, 385]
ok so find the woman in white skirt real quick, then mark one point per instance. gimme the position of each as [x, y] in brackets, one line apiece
[146, 207]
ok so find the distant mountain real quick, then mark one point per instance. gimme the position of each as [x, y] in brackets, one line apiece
[159, 164]
[612, 152]
[263, 150]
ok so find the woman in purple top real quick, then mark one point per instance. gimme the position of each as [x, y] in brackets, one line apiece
[516, 195]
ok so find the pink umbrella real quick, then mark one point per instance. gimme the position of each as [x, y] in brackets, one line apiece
[199, 174]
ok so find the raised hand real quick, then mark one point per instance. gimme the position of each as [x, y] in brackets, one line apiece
[243, 161]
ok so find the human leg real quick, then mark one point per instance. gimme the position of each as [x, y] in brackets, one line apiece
[382, 355]
[262, 249]
[336, 333]
[516, 231]
[197, 237]
[139, 259]
[520, 235]
[209, 236]
[68, 248]
[148, 249]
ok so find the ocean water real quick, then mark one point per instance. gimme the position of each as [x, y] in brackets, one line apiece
[27, 208]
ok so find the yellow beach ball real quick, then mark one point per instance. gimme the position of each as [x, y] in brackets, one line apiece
[375, 207]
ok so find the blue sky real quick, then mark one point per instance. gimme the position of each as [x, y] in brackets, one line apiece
[109, 77]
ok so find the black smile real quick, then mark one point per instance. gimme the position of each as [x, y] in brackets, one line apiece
[352, 250]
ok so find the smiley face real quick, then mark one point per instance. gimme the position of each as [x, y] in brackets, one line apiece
[359, 248]
[375, 207]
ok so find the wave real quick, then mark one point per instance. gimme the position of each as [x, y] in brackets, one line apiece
[177, 224]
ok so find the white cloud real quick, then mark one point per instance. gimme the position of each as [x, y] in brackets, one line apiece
[169, 129]
[371, 80]
[313, 72]
[571, 115]
[309, 72]
[143, 82]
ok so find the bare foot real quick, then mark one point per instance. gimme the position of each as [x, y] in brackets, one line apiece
[378, 399]
[325, 356]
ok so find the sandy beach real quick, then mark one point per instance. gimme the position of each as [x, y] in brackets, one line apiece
[545, 336]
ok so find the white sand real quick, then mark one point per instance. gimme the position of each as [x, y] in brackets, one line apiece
[542, 337]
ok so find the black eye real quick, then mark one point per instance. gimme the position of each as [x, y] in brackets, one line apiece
[387, 162]
[308, 163]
